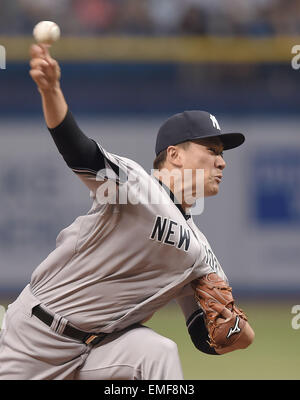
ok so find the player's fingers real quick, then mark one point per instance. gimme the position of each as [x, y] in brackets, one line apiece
[39, 78]
[36, 51]
[46, 54]
[51, 61]
[41, 51]
[43, 62]
[38, 63]
[53, 70]
[45, 48]
[36, 74]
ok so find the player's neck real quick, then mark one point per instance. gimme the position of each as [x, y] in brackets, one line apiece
[174, 182]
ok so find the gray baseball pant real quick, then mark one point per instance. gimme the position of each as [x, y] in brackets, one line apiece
[29, 349]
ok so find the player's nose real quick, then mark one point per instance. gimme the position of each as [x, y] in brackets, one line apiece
[220, 162]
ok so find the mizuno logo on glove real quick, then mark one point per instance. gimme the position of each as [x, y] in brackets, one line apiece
[235, 329]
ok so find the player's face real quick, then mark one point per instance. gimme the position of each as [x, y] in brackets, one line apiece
[206, 155]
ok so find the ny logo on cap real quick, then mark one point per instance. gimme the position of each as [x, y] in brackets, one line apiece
[214, 121]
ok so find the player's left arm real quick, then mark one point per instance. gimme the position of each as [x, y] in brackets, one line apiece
[214, 328]
[195, 323]
[227, 325]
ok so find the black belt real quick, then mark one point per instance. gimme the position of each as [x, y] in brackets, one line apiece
[69, 330]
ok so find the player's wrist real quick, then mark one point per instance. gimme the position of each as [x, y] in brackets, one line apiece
[53, 90]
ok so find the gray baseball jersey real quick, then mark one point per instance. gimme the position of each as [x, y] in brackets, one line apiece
[127, 257]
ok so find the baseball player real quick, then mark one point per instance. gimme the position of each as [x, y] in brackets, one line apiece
[82, 314]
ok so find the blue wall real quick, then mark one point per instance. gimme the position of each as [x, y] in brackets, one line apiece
[159, 88]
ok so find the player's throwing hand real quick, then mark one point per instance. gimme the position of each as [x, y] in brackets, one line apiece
[45, 71]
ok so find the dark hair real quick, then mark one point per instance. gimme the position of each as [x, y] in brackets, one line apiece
[162, 156]
[160, 159]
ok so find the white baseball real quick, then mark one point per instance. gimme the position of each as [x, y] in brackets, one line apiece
[46, 32]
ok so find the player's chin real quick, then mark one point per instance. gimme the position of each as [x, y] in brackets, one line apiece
[212, 190]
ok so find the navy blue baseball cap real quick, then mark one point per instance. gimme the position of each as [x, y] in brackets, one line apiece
[191, 125]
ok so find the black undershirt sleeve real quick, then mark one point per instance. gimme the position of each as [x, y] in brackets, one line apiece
[198, 332]
[77, 149]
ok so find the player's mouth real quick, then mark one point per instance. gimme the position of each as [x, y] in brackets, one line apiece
[218, 178]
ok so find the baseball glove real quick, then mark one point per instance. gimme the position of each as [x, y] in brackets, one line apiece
[226, 324]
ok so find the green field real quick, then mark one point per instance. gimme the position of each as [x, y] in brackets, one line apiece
[274, 354]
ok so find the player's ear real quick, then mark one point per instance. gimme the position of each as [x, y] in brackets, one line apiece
[175, 156]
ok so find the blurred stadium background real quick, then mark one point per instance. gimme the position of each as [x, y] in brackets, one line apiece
[126, 66]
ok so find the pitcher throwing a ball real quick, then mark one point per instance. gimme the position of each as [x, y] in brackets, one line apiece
[82, 314]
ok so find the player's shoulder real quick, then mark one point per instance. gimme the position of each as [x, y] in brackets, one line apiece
[116, 157]
[128, 162]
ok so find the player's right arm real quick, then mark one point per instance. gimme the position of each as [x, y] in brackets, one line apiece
[81, 153]
[45, 72]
